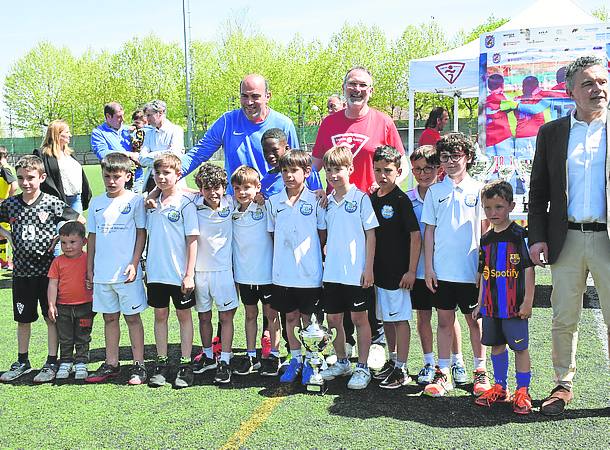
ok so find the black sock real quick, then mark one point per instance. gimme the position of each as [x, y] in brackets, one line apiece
[52, 359]
[22, 357]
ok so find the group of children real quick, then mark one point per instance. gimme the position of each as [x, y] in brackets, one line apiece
[281, 242]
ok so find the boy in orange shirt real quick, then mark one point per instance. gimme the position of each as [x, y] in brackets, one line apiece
[70, 302]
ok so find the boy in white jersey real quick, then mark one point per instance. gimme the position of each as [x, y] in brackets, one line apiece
[348, 269]
[252, 260]
[453, 215]
[425, 166]
[214, 268]
[173, 229]
[299, 232]
[117, 235]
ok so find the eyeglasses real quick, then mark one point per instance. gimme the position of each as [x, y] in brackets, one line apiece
[353, 85]
[427, 170]
[455, 157]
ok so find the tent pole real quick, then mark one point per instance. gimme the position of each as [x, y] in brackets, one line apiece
[411, 136]
[456, 122]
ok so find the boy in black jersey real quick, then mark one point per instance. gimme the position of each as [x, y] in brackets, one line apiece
[397, 249]
[506, 295]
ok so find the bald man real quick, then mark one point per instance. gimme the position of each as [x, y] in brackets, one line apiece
[239, 131]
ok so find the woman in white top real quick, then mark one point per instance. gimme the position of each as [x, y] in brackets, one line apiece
[65, 176]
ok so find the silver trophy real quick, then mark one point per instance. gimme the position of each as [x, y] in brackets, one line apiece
[315, 338]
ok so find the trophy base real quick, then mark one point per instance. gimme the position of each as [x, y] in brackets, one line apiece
[317, 389]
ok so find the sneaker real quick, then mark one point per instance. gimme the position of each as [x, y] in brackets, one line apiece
[159, 376]
[376, 358]
[247, 365]
[204, 364]
[185, 376]
[458, 374]
[396, 379]
[216, 347]
[426, 375]
[307, 372]
[337, 370]
[198, 356]
[440, 386]
[265, 344]
[292, 371]
[223, 373]
[64, 371]
[494, 394]
[285, 363]
[360, 379]
[481, 382]
[269, 366]
[17, 369]
[80, 371]
[46, 374]
[385, 371]
[138, 375]
[522, 402]
[104, 372]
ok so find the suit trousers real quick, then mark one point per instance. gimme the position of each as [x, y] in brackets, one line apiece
[582, 253]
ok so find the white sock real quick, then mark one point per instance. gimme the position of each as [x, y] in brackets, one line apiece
[457, 358]
[393, 356]
[297, 354]
[399, 364]
[479, 363]
[225, 356]
[443, 364]
[429, 358]
[208, 352]
[252, 353]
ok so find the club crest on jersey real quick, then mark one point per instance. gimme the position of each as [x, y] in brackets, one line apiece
[514, 258]
[471, 200]
[126, 209]
[173, 215]
[306, 209]
[387, 212]
[20, 307]
[224, 212]
[43, 216]
[258, 214]
[351, 207]
[486, 273]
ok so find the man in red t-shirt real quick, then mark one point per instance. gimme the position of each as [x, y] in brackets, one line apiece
[437, 119]
[359, 127]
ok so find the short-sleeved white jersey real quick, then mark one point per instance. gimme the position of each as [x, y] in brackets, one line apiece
[346, 222]
[418, 206]
[168, 225]
[297, 256]
[215, 235]
[456, 212]
[114, 222]
[252, 246]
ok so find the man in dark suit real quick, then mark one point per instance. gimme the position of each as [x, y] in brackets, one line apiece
[568, 214]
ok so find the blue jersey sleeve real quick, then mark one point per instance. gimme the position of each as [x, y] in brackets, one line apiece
[205, 148]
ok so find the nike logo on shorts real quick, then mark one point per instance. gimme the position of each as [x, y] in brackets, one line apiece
[473, 306]
[99, 209]
[359, 304]
[136, 307]
[227, 304]
[266, 296]
[184, 302]
[518, 340]
[393, 314]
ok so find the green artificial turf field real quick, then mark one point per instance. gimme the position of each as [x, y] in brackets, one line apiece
[256, 412]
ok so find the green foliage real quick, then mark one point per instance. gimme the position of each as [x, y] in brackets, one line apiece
[49, 82]
[601, 13]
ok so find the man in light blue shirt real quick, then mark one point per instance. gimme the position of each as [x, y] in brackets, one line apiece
[239, 131]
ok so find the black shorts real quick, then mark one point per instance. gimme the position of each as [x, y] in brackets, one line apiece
[251, 294]
[342, 298]
[160, 293]
[288, 299]
[450, 295]
[513, 332]
[421, 296]
[28, 292]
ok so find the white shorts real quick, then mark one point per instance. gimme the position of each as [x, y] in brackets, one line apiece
[127, 298]
[393, 306]
[218, 287]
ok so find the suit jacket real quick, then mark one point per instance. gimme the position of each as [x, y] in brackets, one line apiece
[548, 196]
[53, 185]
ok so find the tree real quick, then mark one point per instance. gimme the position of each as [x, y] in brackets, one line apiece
[601, 13]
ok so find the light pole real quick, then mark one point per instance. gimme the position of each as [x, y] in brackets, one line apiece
[187, 69]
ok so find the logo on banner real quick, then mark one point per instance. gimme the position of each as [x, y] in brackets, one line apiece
[496, 58]
[490, 41]
[450, 71]
[352, 141]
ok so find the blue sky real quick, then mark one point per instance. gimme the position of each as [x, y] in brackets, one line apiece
[82, 24]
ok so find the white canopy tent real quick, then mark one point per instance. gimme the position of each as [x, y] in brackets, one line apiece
[456, 72]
